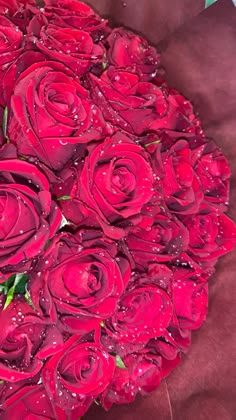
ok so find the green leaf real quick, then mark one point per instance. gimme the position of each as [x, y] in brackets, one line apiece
[154, 142]
[64, 198]
[4, 287]
[16, 284]
[119, 362]
[21, 284]
[28, 299]
[47, 245]
[104, 63]
[4, 123]
[209, 3]
[10, 296]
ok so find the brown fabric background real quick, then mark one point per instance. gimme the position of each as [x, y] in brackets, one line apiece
[199, 54]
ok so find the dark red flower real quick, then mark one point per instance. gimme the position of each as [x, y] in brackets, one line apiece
[211, 234]
[110, 187]
[30, 402]
[78, 15]
[72, 46]
[163, 241]
[213, 171]
[25, 340]
[77, 374]
[143, 312]
[127, 50]
[138, 107]
[51, 111]
[28, 215]
[82, 285]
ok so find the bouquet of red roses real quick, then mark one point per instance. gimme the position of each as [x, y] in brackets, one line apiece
[112, 205]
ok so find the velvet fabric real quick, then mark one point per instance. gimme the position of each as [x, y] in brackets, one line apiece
[199, 56]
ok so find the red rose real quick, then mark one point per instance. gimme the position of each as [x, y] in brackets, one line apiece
[78, 15]
[29, 217]
[11, 48]
[25, 340]
[110, 187]
[11, 74]
[125, 49]
[143, 312]
[213, 171]
[136, 106]
[76, 375]
[168, 349]
[52, 112]
[10, 7]
[190, 299]
[181, 187]
[74, 47]
[142, 373]
[163, 140]
[30, 402]
[82, 284]
[211, 234]
[164, 241]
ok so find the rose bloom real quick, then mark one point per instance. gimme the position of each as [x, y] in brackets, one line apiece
[77, 15]
[10, 47]
[29, 402]
[82, 284]
[77, 374]
[213, 171]
[142, 373]
[211, 234]
[190, 301]
[52, 112]
[138, 107]
[109, 188]
[10, 7]
[127, 50]
[25, 340]
[163, 241]
[72, 46]
[29, 216]
[143, 312]
[181, 186]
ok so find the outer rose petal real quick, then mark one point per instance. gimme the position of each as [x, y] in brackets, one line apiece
[79, 280]
[110, 188]
[211, 235]
[129, 50]
[50, 109]
[25, 339]
[66, 386]
[29, 217]
[190, 301]
[30, 401]
[153, 316]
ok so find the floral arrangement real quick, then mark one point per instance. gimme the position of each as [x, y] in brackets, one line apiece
[112, 214]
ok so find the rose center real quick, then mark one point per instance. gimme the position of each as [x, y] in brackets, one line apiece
[82, 280]
[64, 103]
[123, 180]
